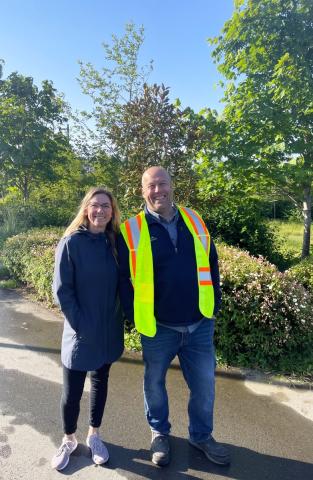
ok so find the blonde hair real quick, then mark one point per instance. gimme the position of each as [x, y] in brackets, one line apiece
[112, 228]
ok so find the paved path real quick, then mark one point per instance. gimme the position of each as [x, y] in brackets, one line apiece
[267, 439]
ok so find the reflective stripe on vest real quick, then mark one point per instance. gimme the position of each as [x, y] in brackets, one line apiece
[199, 228]
[133, 228]
[137, 238]
[201, 238]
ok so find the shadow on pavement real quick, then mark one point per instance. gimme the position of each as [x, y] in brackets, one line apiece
[34, 402]
[247, 464]
[32, 348]
[41, 412]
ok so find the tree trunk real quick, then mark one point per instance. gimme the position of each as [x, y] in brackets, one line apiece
[25, 189]
[307, 212]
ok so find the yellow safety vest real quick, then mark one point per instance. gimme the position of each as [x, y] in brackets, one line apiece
[137, 238]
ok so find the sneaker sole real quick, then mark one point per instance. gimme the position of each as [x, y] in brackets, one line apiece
[208, 456]
[105, 460]
[59, 469]
[161, 463]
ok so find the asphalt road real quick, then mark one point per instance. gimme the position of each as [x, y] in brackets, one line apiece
[267, 440]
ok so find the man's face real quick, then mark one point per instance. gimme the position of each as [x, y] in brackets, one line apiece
[157, 191]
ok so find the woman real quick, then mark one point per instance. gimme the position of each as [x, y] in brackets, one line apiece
[85, 287]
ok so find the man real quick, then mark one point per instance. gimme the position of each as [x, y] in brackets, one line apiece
[169, 286]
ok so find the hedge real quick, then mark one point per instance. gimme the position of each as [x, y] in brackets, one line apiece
[30, 258]
[303, 272]
[266, 319]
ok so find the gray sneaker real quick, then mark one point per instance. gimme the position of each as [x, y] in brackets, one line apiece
[213, 450]
[99, 451]
[62, 457]
[160, 449]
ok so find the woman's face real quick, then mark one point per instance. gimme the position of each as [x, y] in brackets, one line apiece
[99, 212]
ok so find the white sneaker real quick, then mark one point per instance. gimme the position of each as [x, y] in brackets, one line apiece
[99, 451]
[62, 457]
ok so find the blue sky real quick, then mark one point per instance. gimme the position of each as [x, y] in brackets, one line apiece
[45, 39]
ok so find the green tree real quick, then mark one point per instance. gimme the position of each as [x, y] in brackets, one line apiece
[54, 203]
[118, 82]
[266, 54]
[1, 67]
[31, 138]
[153, 131]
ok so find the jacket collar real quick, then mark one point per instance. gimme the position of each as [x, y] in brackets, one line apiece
[153, 217]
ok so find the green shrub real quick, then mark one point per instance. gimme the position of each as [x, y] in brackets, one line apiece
[266, 319]
[303, 273]
[4, 272]
[279, 209]
[20, 217]
[39, 274]
[132, 340]
[13, 220]
[243, 225]
[30, 257]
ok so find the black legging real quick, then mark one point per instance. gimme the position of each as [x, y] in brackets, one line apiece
[73, 386]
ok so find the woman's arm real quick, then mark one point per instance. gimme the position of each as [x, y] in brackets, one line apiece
[64, 284]
[126, 291]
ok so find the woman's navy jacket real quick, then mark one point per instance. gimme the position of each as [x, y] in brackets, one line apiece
[85, 287]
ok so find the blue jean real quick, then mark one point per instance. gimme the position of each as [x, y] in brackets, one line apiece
[197, 360]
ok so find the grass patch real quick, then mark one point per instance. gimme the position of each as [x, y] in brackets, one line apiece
[290, 232]
[10, 283]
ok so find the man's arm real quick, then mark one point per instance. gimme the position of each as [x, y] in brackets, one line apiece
[215, 274]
